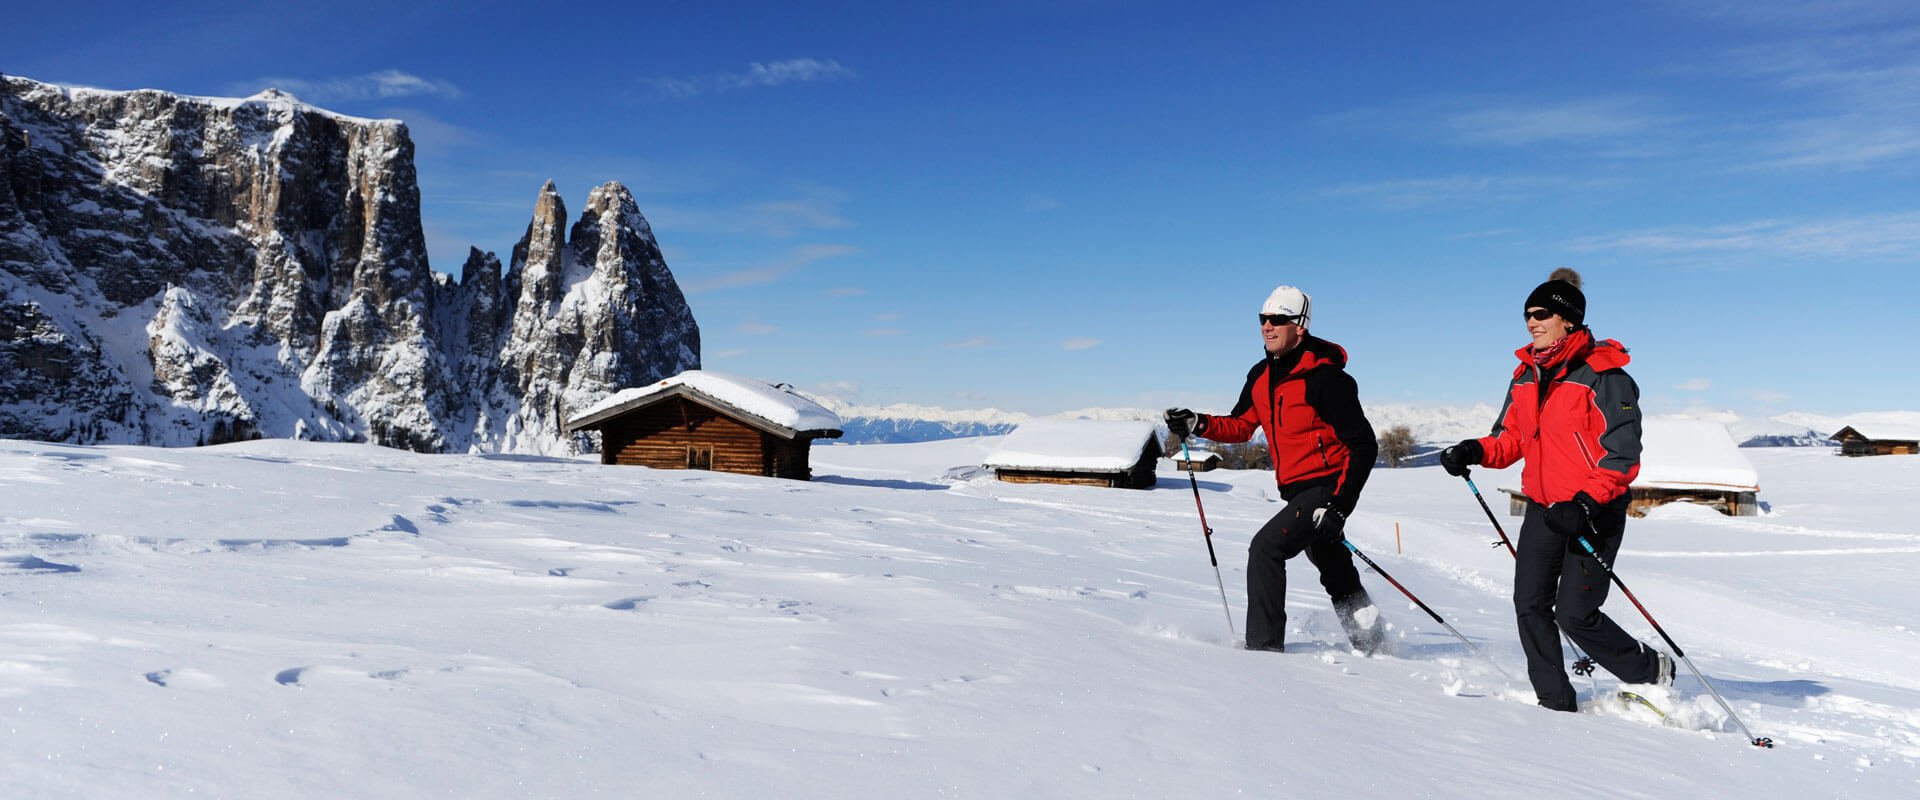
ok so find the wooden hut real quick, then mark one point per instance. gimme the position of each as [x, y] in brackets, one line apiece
[1118, 454]
[708, 420]
[1196, 460]
[1684, 460]
[1869, 439]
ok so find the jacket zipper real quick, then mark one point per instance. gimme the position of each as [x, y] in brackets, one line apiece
[1543, 386]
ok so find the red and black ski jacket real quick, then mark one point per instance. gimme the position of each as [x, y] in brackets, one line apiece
[1309, 409]
[1575, 420]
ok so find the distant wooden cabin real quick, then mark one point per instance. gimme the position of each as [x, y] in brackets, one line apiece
[1117, 454]
[708, 420]
[1688, 461]
[1877, 440]
[1201, 460]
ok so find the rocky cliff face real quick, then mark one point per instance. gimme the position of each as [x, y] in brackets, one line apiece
[182, 270]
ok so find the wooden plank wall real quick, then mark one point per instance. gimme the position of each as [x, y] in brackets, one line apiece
[1733, 504]
[659, 436]
[787, 459]
[1878, 447]
[1139, 476]
[1043, 476]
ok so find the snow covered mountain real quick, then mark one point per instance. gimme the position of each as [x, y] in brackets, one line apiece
[904, 422]
[178, 270]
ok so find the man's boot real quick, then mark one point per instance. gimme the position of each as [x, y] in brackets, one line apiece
[1361, 620]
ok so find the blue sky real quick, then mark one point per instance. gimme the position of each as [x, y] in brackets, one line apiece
[1042, 206]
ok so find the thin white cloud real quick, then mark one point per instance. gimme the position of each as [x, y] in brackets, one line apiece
[1583, 120]
[1696, 385]
[753, 328]
[387, 84]
[1486, 234]
[1849, 92]
[433, 134]
[838, 390]
[795, 259]
[1080, 343]
[818, 209]
[885, 331]
[1879, 237]
[971, 343]
[1413, 193]
[1850, 142]
[757, 75]
[847, 291]
[792, 70]
[1805, 14]
[1616, 126]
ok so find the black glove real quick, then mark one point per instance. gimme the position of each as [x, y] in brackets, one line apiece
[1576, 517]
[1330, 523]
[1183, 422]
[1456, 459]
[1588, 505]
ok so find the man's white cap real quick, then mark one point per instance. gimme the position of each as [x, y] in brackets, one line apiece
[1291, 302]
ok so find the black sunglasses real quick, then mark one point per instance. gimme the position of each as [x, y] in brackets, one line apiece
[1540, 314]
[1279, 320]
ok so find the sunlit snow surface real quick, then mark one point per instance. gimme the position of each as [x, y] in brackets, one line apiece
[282, 619]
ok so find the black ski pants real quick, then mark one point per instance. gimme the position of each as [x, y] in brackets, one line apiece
[1556, 583]
[1288, 534]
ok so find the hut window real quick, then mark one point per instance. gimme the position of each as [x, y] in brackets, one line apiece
[699, 457]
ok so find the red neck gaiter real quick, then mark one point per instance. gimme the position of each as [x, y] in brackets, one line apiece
[1561, 351]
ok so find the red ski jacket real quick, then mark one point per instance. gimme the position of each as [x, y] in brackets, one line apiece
[1309, 409]
[1576, 422]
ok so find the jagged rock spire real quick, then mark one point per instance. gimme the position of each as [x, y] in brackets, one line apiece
[274, 255]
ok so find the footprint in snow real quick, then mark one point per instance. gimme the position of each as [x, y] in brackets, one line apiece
[184, 678]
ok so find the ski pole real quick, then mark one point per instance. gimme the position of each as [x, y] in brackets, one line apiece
[1207, 532]
[1490, 517]
[1588, 546]
[1423, 607]
[1582, 664]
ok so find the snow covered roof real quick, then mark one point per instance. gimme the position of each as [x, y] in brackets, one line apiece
[1883, 425]
[1692, 454]
[1079, 445]
[774, 404]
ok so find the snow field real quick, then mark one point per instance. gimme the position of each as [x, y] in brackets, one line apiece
[295, 619]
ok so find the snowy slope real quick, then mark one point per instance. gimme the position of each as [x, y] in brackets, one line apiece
[287, 619]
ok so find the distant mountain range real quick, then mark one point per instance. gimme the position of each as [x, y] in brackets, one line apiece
[1433, 426]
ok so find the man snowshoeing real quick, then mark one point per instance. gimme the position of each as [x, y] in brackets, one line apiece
[1323, 449]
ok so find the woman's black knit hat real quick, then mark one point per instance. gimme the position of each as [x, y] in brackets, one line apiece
[1561, 295]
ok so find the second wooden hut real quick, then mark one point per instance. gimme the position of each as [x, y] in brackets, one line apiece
[1119, 454]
